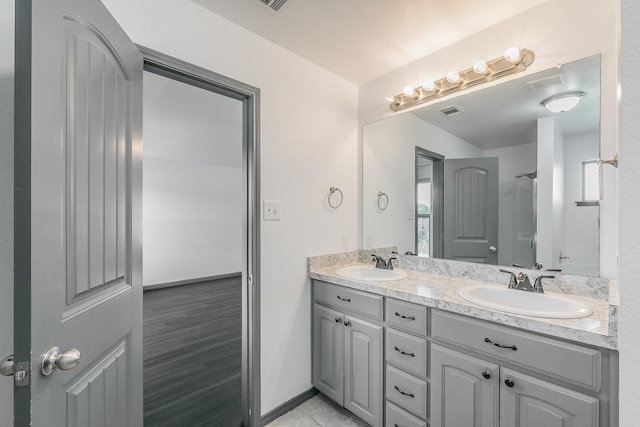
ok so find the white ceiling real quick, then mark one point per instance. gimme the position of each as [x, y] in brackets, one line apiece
[364, 39]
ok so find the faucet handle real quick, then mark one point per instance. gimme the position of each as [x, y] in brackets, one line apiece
[537, 284]
[512, 280]
[390, 262]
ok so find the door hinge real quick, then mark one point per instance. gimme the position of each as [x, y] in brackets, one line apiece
[250, 280]
[18, 370]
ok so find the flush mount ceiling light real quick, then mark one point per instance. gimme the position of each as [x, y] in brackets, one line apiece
[563, 102]
[514, 60]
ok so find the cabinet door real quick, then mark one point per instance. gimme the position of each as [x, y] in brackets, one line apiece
[464, 390]
[530, 402]
[328, 352]
[363, 370]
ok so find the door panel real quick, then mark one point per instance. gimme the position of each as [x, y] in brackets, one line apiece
[460, 394]
[78, 139]
[471, 201]
[363, 370]
[531, 402]
[328, 352]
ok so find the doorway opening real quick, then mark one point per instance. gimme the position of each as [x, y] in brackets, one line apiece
[429, 187]
[201, 298]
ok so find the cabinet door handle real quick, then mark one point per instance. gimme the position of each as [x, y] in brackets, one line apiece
[402, 316]
[509, 382]
[347, 323]
[344, 299]
[404, 393]
[486, 374]
[338, 320]
[512, 347]
[404, 353]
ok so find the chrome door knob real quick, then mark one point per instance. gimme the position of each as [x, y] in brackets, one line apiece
[54, 359]
[493, 249]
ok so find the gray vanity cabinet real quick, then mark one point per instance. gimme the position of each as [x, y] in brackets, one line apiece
[529, 402]
[464, 390]
[492, 391]
[347, 349]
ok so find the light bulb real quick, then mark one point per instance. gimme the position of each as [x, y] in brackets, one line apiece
[480, 66]
[408, 91]
[512, 54]
[453, 77]
[390, 98]
[429, 85]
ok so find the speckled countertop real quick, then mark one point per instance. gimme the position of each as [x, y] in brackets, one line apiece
[441, 292]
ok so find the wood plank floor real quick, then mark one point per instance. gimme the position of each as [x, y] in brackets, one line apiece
[192, 355]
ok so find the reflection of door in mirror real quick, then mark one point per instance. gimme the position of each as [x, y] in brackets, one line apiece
[471, 200]
[428, 210]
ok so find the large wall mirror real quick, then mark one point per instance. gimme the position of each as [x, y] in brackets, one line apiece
[491, 176]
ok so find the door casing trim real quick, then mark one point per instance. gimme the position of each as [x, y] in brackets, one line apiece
[176, 69]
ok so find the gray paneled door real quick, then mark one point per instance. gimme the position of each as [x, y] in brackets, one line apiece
[78, 205]
[471, 203]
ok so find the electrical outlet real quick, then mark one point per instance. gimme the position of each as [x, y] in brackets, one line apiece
[369, 241]
[345, 242]
[271, 210]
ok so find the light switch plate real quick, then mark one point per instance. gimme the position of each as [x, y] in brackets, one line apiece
[271, 210]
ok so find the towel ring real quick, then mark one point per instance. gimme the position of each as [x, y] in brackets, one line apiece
[383, 200]
[331, 191]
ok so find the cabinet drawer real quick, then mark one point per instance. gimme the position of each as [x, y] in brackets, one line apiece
[407, 391]
[407, 351]
[348, 299]
[407, 316]
[575, 364]
[400, 418]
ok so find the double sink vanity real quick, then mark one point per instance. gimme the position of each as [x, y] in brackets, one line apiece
[444, 343]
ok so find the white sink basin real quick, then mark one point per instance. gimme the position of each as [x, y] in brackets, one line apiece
[370, 273]
[514, 301]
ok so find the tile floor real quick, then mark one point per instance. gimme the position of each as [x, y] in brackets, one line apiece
[318, 411]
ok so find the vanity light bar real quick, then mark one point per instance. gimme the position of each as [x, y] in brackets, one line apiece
[481, 72]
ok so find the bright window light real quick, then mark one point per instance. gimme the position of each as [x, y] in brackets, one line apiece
[590, 185]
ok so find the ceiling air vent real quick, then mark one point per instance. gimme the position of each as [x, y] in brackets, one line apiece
[274, 5]
[451, 111]
[546, 82]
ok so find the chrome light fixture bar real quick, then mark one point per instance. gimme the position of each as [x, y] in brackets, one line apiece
[514, 61]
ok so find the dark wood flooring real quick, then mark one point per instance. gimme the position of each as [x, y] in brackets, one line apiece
[192, 355]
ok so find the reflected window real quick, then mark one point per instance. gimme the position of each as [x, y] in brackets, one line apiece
[424, 217]
[590, 184]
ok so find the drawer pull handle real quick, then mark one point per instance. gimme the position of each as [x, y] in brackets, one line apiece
[344, 299]
[337, 320]
[402, 316]
[404, 353]
[404, 393]
[512, 347]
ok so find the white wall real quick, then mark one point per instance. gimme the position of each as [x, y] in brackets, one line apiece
[580, 228]
[629, 171]
[389, 167]
[558, 31]
[308, 130]
[544, 198]
[192, 182]
[192, 220]
[515, 214]
[6, 203]
[558, 196]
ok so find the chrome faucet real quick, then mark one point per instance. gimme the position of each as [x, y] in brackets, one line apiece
[381, 263]
[537, 284]
[522, 282]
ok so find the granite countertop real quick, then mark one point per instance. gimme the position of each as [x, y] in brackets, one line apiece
[441, 292]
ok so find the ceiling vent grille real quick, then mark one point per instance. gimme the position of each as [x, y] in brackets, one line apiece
[274, 5]
[451, 111]
[545, 82]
